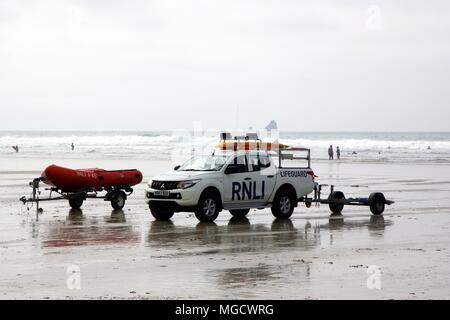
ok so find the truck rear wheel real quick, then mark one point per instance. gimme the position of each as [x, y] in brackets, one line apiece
[76, 203]
[283, 204]
[241, 213]
[118, 200]
[377, 202]
[162, 214]
[208, 207]
[336, 207]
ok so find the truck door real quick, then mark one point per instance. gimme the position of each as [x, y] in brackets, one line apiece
[263, 175]
[237, 179]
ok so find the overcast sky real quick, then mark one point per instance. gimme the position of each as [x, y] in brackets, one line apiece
[157, 65]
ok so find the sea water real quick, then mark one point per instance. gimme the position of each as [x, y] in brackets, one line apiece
[148, 145]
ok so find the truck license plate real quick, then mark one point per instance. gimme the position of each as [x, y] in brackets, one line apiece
[162, 193]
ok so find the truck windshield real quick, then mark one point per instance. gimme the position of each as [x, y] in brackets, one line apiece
[204, 163]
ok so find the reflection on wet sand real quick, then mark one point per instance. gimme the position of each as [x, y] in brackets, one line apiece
[374, 223]
[75, 217]
[245, 277]
[80, 230]
[240, 235]
[166, 234]
[117, 216]
[337, 226]
[284, 235]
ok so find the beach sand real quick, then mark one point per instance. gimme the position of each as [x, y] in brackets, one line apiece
[127, 254]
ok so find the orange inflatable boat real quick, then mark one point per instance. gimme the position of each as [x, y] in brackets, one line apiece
[70, 180]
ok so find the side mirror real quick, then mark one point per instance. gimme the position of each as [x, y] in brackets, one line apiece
[176, 167]
[231, 169]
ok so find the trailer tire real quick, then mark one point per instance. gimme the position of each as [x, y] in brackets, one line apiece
[208, 207]
[377, 202]
[336, 207]
[118, 200]
[162, 214]
[76, 203]
[283, 204]
[240, 213]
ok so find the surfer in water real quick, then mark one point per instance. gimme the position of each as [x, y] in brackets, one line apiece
[72, 146]
[16, 148]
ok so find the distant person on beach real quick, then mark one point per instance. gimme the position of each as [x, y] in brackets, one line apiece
[338, 153]
[330, 153]
[72, 146]
[16, 148]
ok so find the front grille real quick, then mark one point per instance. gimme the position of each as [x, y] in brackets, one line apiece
[164, 185]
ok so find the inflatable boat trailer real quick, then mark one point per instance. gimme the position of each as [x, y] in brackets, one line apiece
[79, 185]
[117, 196]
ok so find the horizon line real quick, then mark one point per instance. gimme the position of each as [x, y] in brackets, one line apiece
[168, 130]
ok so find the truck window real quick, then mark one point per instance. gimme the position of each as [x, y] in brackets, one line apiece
[204, 163]
[240, 162]
[259, 162]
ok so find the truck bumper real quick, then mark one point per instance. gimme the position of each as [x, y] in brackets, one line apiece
[170, 205]
[180, 199]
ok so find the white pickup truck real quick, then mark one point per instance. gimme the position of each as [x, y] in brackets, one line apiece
[236, 180]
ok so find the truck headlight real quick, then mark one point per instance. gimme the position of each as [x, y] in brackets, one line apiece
[187, 184]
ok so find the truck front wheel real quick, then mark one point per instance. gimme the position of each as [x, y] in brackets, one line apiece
[208, 207]
[283, 204]
[161, 213]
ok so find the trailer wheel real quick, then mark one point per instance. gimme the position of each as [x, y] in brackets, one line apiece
[161, 214]
[336, 207]
[377, 203]
[283, 204]
[76, 203]
[118, 200]
[239, 213]
[208, 207]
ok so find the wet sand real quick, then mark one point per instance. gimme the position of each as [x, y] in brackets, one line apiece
[126, 254]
